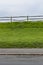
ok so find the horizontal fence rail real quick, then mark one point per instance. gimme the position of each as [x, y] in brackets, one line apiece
[21, 18]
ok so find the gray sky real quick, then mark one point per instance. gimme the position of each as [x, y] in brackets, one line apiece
[21, 7]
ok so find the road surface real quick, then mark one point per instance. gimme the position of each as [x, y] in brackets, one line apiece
[21, 60]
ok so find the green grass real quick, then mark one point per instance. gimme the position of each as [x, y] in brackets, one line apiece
[21, 35]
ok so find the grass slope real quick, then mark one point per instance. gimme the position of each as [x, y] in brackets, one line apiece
[21, 35]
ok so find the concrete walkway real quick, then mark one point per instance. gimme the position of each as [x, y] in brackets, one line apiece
[14, 51]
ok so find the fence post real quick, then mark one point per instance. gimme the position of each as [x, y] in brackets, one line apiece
[27, 18]
[11, 19]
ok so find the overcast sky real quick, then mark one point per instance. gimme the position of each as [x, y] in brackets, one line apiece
[21, 7]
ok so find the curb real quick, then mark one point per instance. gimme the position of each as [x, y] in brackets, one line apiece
[21, 51]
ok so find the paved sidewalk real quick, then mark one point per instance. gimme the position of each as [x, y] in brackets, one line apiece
[13, 51]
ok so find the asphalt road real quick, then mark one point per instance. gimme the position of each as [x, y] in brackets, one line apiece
[21, 60]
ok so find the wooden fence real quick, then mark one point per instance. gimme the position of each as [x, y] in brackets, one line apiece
[21, 18]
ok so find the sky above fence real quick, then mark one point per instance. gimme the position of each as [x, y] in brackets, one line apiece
[21, 7]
